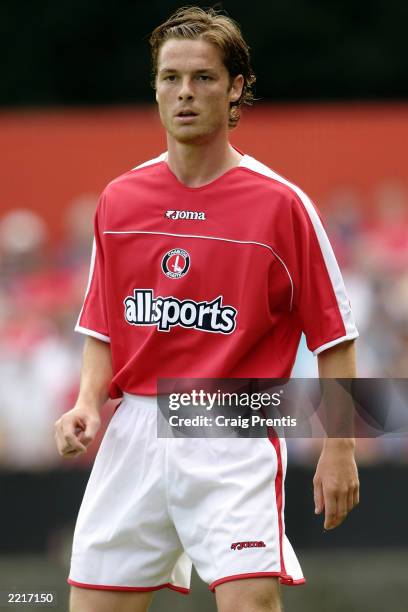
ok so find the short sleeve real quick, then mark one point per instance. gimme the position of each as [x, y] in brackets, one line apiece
[321, 299]
[92, 319]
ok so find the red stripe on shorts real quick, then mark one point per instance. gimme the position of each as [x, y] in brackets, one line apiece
[274, 440]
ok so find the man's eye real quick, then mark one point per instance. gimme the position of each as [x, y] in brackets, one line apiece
[171, 77]
[204, 77]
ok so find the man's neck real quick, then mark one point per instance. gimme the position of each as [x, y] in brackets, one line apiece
[196, 165]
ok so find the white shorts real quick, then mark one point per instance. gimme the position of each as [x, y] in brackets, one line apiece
[153, 506]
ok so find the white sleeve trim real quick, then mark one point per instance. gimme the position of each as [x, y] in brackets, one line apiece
[324, 347]
[91, 332]
[90, 275]
[325, 246]
[78, 327]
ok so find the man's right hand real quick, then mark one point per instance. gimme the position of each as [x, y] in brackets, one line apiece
[75, 431]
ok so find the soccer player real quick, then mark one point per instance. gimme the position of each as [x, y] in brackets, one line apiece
[206, 263]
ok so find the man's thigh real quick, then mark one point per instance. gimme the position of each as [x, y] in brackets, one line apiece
[249, 595]
[92, 600]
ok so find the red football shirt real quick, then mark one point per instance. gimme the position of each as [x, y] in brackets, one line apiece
[216, 281]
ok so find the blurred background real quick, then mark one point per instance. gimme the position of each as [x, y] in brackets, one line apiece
[76, 110]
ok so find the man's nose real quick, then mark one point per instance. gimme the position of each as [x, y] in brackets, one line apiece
[186, 90]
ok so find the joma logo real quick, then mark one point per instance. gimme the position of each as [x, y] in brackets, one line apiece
[241, 545]
[185, 214]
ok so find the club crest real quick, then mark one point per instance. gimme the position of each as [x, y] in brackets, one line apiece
[176, 263]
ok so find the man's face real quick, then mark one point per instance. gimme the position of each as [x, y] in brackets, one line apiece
[194, 90]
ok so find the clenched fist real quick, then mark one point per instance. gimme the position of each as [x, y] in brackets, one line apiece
[75, 431]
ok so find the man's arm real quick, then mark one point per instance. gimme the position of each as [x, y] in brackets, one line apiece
[76, 429]
[336, 484]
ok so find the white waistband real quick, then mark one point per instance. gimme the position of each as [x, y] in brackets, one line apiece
[141, 400]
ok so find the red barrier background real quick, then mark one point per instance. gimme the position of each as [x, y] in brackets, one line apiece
[345, 156]
[49, 157]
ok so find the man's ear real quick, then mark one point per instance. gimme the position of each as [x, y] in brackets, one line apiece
[155, 95]
[237, 85]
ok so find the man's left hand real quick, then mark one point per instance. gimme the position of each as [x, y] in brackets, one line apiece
[336, 485]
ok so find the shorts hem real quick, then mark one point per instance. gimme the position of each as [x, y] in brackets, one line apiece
[283, 579]
[110, 587]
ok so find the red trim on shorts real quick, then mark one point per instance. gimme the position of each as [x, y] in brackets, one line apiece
[274, 440]
[104, 587]
[283, 579]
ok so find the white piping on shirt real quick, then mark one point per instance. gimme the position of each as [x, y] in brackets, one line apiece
[215, 238]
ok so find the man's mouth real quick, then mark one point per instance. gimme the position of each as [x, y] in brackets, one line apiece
[186, 113]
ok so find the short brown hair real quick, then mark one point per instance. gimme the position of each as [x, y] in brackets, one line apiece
[193, 22]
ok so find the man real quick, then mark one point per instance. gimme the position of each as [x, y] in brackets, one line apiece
[206, 264]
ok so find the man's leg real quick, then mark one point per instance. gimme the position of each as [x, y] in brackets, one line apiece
[249, 595]
[93, 600]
